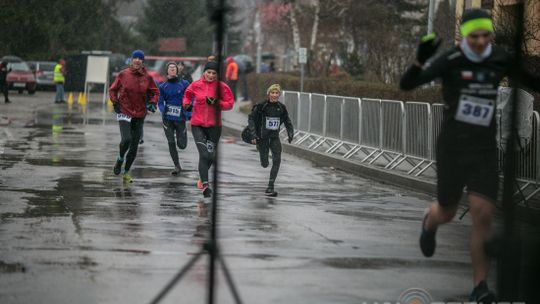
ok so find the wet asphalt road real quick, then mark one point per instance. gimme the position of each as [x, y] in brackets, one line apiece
[72, 232]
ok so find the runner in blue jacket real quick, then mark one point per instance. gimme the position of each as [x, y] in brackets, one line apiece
[174, 117]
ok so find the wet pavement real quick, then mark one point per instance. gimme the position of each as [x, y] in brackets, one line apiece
[72, 232]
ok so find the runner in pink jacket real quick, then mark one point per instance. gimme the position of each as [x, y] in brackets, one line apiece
[201, 98]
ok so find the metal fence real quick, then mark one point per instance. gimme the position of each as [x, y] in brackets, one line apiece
[391, 134]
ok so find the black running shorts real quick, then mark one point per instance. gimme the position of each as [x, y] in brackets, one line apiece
[477, 171]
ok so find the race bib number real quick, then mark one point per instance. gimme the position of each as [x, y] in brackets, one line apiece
[124, 117]
[475, 110]
[272, 123]
[174, 111]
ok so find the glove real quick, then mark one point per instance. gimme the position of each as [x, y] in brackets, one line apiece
[116, 107]
[151, 107]
[427, 48]
[290, 139]
[211, 101]
[188, 107]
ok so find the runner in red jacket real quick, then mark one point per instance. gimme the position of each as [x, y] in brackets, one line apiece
[129, 93]
[201, 98]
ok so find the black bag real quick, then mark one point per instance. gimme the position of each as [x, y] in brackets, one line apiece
[246, 135]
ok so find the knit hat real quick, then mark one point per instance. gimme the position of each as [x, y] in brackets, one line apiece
[274, 87]
[211, 65]
[138, 54]
[172, 63]
[475, 19]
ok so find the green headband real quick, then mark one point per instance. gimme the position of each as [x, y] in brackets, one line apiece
[476, 24]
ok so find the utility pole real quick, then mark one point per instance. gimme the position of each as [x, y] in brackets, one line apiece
[431, 16]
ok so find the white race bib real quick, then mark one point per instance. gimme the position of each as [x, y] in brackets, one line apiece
[174, 111]
[124, 117]
[272, 123]
[475, 110]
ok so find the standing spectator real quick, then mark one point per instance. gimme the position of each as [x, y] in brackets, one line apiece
[231, 75]
[185, 76]
[59, 79]
[3, 83]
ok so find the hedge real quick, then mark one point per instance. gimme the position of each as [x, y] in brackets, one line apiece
[258, 83]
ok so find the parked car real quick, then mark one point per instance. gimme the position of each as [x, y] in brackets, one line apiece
[11, 58]
[156, 65]
[44, 73]
[21, 77]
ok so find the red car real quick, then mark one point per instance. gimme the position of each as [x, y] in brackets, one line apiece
[156, 65]
[21, 78]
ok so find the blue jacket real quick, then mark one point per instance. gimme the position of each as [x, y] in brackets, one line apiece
[171, 94]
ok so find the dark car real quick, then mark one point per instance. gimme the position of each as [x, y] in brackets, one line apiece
[44, 73]
[21, 77]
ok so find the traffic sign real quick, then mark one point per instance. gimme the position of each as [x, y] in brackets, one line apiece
[302, 55]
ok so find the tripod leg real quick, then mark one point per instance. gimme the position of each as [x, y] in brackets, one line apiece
[230, 281]
[177, 278]
[464, 213]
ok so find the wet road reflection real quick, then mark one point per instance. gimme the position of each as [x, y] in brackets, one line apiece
[72, 232]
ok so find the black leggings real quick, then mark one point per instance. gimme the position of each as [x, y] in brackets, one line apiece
[266, 145]
[4, 89]
[176, 134]
[206, 140]
[131, 134]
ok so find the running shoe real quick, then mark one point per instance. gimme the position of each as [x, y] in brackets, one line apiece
[427, 238]
[176, 171]
[117, 167]
[482, 295]
[200, 184]
[207, 192]
[270, 191]
[127, 178]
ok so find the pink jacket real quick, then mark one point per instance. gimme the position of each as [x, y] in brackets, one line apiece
[205, 115]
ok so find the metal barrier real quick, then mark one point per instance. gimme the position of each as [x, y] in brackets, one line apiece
[304, 110]
[437, 116]
[291, 102]
[390, 134]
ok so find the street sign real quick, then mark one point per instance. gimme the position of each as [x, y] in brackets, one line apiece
[302, 55]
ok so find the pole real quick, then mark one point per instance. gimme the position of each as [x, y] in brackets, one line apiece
[258, 40]
[509, 263]
[302, 77]
[431, 16]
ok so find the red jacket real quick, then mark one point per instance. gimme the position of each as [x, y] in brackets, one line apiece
[131, 89]
[205, 115]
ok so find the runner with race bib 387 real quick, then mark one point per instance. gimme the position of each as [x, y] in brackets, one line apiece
[128, 94]
[466, 148]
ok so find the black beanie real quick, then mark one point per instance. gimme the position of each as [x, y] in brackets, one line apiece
[211, 65]
[475, 13]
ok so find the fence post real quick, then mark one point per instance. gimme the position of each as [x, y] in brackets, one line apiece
[342, 127]
[359, 121]
[324, 116]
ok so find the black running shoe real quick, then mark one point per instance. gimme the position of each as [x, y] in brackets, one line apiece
[427, 239]
[176, 171]
[270, 191]
[118, 167]
[207, 192]
[482, 295]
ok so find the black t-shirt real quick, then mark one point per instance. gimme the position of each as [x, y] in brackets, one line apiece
[266, 118]
[469, 92]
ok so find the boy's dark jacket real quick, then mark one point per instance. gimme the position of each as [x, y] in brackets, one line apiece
[259, 111]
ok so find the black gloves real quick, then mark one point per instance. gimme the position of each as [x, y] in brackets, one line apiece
[116, 107]
[211, 101]
[151, 107]
[188, 107]
[427, 48]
